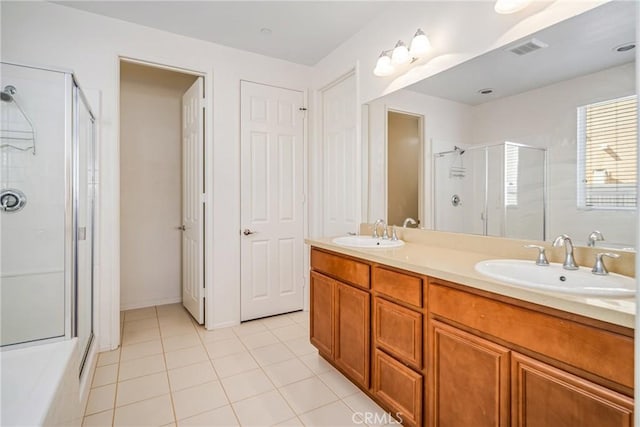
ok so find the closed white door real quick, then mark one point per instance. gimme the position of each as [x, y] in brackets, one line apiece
[192, 200]
[272, 194]
[341, 189]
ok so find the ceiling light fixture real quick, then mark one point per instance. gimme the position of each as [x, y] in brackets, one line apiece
[505, 7]
[392, 60]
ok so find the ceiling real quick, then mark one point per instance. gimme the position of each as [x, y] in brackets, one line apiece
[303, 32]
[578, 46]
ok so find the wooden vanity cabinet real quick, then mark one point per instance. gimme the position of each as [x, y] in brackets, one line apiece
[546, 396]
[576, 372]
[441, 354]
[340, 313]
[321, 318]
[352, 332]
[470, 379]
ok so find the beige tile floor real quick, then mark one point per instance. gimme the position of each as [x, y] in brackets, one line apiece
[170, 371]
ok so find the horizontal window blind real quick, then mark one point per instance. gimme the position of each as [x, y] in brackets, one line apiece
[607, 154]
[511, 158]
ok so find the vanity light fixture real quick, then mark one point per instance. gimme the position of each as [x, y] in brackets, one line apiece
[400, 54]
[391, 60]
[505, 7]
[383, 66]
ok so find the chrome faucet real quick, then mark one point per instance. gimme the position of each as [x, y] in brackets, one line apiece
[598, 267]
[385, 233]
[594, 237]
[569, 261]
[409, 221]
[542, 258]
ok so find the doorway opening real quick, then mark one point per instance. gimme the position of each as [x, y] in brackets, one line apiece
[161, 187]
[404, 167]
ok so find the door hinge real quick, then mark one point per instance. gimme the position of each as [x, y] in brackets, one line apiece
[203, 103]
[203, 198]
[302, 108]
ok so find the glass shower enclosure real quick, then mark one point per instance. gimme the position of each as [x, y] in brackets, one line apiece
[47, 197]
[494, 190]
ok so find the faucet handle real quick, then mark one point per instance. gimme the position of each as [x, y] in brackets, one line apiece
[598, 267]
[594, 236]
[394, 234]
[542, 257]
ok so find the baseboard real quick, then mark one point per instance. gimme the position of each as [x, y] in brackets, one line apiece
[148, 303]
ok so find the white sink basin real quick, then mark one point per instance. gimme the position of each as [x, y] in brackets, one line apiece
[367, 242]
[554, 278]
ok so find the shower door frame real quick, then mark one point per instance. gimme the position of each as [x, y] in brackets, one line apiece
[80, 97]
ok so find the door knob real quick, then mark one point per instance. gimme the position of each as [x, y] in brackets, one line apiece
[182, 227]
[247, 232]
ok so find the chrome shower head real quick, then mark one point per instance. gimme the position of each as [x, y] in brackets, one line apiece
[7, 93]
[459, 150]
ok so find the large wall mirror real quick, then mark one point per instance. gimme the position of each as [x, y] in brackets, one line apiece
[531, 140]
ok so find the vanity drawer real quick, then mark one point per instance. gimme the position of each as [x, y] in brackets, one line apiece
[341, 268]
[398, 330]
[399, 286]
[399, 387]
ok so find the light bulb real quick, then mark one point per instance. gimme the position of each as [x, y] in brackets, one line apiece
[400, 54]
[505, 7]
[383, 66]
[420, 44]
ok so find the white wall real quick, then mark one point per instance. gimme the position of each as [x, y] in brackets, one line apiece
[151, 181]
[54, 35]
[546, 117]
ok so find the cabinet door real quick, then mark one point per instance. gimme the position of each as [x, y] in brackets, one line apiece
[546, 396]
[399, 331]
[351, 347]
[399, 387]
[470, 379]
[321, 323]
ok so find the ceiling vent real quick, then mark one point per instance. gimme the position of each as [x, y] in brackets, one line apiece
[528, 47]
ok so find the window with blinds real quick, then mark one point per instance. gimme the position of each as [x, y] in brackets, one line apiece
[607, 154]
[511, 159]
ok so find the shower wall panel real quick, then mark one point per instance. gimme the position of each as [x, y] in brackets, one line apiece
[32, 253]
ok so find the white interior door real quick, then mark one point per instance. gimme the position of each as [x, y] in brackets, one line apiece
[193, 200]
[341, 189]
[272, 195]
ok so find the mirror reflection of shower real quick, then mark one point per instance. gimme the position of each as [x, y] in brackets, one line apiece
[495, 190]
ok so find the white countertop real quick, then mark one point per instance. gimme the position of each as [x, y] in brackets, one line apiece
[458, 266]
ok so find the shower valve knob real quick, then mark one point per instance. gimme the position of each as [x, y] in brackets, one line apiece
[12, 200]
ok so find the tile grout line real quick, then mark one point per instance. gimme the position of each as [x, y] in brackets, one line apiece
[219, 379]
[276, 388]
[166, 370]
